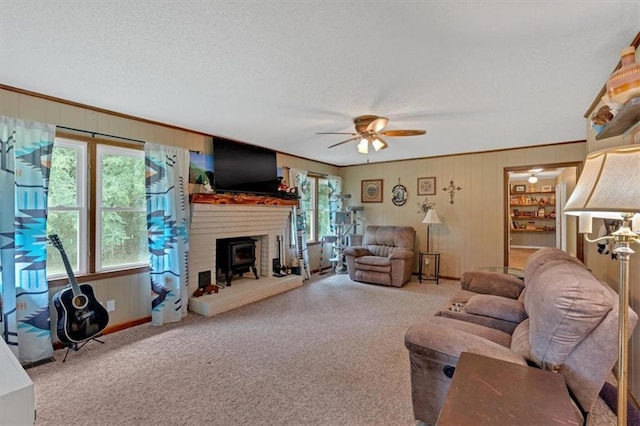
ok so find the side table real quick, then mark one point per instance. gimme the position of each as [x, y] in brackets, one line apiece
[489, 391]
[435, 256]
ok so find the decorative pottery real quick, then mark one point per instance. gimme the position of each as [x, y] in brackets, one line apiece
[624, 83]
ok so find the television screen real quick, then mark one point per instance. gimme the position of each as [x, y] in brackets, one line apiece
[244, 168]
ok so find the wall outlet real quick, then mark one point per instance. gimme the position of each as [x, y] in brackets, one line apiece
[111, 305]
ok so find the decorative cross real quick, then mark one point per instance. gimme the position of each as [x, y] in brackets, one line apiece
[451, 189]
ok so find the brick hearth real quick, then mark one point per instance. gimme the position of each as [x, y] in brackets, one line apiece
[261, 221]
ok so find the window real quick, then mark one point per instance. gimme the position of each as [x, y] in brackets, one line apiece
[121, 228]
[67, 211]
[317, 213]
[100, 217]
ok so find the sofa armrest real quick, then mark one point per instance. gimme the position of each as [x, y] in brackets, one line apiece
[403, 254]
[434, 336]
[357, 251]
[493, 283]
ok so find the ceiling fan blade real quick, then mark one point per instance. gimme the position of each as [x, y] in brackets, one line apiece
[377, 124]
[403, 132]
[340, 143]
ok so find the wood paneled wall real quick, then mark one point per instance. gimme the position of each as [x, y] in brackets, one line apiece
[471, 234]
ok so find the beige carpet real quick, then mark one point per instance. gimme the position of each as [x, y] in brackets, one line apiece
[328, 353]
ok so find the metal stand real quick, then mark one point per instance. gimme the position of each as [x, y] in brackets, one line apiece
[76, 347]
[422, 256]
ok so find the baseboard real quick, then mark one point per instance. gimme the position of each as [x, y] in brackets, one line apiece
[59, 345]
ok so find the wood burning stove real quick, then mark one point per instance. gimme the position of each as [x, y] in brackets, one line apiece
[235, 256]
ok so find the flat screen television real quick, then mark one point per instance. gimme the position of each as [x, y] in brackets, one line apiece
[244, 168]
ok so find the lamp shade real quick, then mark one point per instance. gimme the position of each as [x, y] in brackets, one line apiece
[363, 146]
[379, 143]
[609, 184]
[431, 217]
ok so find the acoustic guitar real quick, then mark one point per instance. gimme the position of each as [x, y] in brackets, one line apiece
[80, 315]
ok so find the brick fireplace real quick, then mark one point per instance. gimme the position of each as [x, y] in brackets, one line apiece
[263, 223]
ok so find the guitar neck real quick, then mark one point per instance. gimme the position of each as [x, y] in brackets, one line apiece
[70, 274]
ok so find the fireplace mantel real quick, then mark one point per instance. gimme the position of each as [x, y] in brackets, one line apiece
[246, 199]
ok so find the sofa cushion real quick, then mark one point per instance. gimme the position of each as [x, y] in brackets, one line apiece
[373, 263]
[437, 334]
[460, 314]
[496, 307]
[566, 303]
[541, 257]
[520, 340]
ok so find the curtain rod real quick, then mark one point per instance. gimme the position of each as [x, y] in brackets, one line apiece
[93, 134]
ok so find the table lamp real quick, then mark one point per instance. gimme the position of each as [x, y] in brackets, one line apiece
[609, 188]
[430, 218]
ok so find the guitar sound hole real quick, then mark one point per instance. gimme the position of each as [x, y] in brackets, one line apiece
[80, 301]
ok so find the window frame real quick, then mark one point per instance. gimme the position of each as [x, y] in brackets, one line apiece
[311, 209]
[314, 188]
[88, 241]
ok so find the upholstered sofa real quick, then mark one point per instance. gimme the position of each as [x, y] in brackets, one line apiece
[386, 256]
[560, 318]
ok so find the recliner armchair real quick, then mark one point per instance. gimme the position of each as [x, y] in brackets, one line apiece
[567, 322]
[386, 256]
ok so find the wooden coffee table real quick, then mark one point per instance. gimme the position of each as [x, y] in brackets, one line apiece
[487, 391]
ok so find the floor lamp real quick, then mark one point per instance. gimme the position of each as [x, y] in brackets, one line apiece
[609, 188]
[430, 218]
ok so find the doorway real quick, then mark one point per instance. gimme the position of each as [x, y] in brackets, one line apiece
[534, 199]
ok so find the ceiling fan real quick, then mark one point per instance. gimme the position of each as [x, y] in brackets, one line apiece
[369, 130]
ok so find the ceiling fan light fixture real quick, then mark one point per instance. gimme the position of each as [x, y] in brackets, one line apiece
[378, 144]
[363, 146]
[370, 129]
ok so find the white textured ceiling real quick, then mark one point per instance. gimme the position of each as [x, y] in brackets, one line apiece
[476, 75]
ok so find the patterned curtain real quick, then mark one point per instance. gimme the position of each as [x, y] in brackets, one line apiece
[298, 178]
[167, 169]
[25, 160]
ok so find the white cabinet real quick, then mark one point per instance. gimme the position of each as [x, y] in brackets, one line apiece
[17, 396]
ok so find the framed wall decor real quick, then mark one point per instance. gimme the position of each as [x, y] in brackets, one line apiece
[427, 186]
[519, 188]
[371, 191]
[200, 168]
[546, 188]
[399, 195]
